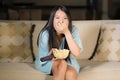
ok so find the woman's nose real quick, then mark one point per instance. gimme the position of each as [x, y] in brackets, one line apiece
[61, 21]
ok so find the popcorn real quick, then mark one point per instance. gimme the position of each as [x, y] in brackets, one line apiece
[63, 25]
[61, 54]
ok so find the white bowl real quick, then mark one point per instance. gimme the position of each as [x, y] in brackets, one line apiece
[61, 54]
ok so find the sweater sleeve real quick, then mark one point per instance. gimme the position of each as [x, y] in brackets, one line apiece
[43, 50]
[76, 36]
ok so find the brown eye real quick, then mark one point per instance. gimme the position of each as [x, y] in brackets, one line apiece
[57, 18]
[65, 18]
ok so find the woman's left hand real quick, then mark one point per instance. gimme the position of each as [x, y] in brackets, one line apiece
[62, 28]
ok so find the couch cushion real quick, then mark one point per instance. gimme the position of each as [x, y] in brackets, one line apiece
[109, 43]
[38, 26]
[20, 71]
[100, 71]
[86, 62]
[15, 42]
[89, 31]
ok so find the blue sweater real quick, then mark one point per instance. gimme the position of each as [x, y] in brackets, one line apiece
[44, 50]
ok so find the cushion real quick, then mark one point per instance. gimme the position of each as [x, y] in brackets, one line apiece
[89, 31]
[20, 71]
[38, 26]
[109, 43]
[15, 42]
[101, 71]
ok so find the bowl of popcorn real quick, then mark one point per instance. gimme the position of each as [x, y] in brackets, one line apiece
[61, 53]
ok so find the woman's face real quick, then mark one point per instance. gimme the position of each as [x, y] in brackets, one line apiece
[60, 20]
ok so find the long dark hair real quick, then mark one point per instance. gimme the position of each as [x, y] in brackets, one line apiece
[50, 28]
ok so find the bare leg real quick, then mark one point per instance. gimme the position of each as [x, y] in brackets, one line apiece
[59, 69]
[71, 73]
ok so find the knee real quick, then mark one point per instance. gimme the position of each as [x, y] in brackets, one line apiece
[71, 74]
[59, 70]
[59, 65]
[62, 64]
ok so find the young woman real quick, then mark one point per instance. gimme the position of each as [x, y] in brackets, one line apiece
[61, 34]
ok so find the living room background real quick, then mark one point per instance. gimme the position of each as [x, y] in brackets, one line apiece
[40, 9]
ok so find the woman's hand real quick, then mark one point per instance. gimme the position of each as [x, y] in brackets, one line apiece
[51, 51]
[62, 28]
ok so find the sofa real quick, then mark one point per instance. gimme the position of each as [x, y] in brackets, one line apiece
[99, 59]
